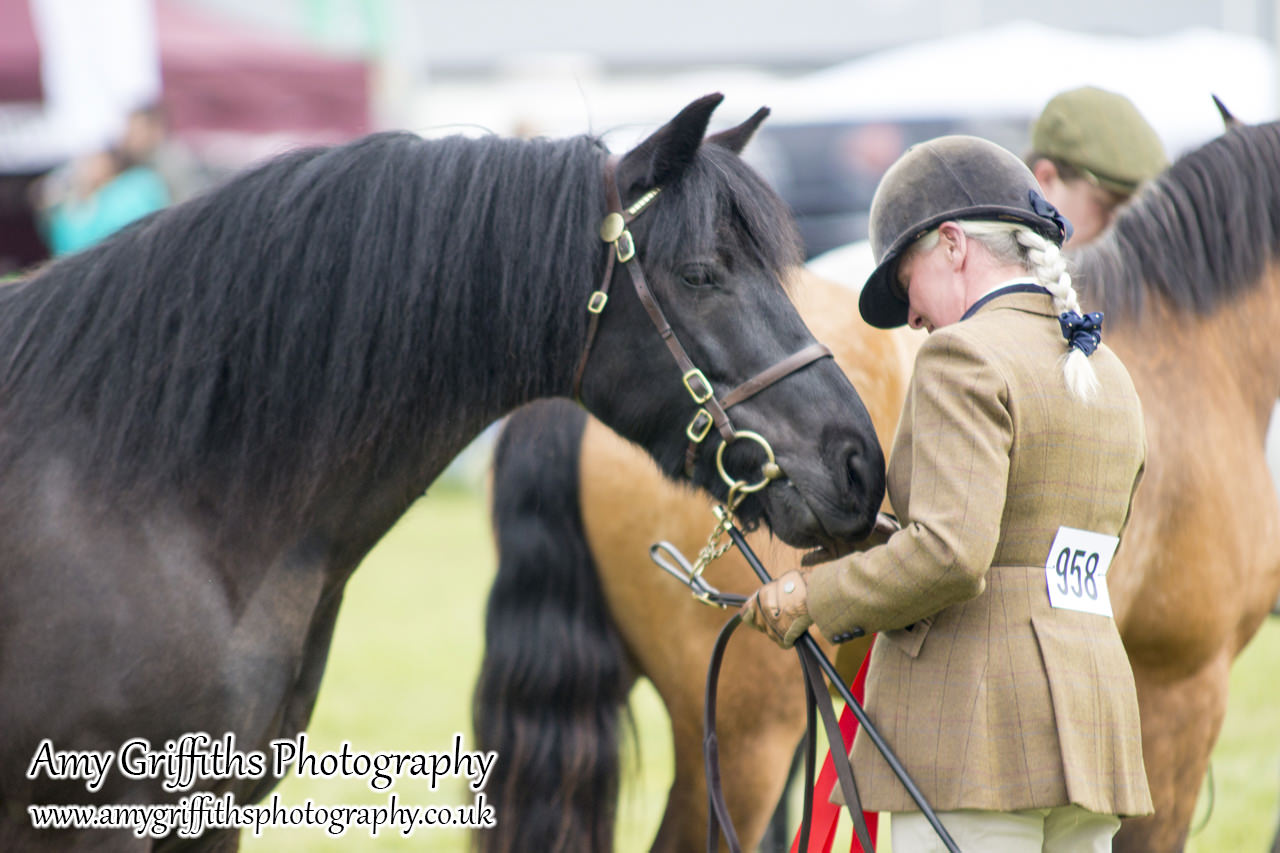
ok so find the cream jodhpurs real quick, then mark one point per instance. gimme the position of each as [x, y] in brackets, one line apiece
[1067, 829]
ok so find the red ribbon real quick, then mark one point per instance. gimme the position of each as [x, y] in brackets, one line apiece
[826, 814]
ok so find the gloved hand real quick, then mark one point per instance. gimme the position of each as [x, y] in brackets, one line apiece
[780, 608]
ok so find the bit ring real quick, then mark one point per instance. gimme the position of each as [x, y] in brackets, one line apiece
[769, 470]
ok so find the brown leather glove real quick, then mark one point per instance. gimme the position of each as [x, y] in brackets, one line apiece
[780, 608]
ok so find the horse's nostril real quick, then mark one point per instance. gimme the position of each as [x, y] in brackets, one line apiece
[857, 468]
[864, 476]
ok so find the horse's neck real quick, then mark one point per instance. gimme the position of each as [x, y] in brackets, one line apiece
[502, 363]
[1230, 355]
[362, 501]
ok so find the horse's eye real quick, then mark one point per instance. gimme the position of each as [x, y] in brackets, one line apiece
[699, 275]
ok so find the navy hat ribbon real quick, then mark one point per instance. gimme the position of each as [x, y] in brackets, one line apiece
[1083, 333]
[1045, 210]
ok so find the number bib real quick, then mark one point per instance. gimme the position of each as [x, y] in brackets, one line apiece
[1076, 571]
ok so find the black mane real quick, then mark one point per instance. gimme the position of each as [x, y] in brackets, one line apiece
[323, 310]
[267, 329]
[1199, 235]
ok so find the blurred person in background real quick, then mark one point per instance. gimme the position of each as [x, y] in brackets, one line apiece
[147, 142]
[1090, 152]
[97, 194]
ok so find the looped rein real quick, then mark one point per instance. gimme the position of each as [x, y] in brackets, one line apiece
[816, 697]
[615, 230]
[814, 662]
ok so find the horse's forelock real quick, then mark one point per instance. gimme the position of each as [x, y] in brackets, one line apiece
[725, 202]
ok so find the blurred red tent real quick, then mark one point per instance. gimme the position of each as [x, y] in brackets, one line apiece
[224, 84]
[70, 72]
[19, 53]
[224, 80]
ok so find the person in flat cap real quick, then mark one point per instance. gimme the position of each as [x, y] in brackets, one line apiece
[1090, 151]
[998, 676]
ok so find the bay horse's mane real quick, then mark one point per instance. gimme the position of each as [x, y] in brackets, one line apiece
[318, 308]
[1198, 235]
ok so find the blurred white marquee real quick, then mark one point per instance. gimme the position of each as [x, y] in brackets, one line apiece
[1014, 69]
[1007, 71]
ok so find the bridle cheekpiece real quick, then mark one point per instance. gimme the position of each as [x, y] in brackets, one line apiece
[615, 231]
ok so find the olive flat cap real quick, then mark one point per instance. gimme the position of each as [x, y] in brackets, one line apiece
[948, 178]
[1103, 136]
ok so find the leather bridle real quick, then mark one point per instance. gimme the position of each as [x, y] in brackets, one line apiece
[712, 411]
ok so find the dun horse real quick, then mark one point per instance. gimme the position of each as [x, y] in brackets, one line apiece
[208, 420]
[1190, 283]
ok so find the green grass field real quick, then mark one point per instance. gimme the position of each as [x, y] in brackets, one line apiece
[408, 646]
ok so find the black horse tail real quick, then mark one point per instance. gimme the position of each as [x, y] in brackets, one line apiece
[551, 696]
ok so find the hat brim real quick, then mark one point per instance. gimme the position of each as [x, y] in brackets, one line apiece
[1112, 185]
[881, 303]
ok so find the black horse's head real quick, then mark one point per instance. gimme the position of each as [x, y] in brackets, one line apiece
[714, 247]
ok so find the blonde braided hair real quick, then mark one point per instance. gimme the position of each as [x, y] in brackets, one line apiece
[1015, 243]
[1045, 261]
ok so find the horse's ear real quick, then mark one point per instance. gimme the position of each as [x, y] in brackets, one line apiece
[664, 155]
[1228, 120]
[736, 138]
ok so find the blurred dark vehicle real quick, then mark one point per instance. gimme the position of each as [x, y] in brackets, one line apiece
[828, 172]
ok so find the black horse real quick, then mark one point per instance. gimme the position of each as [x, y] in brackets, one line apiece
[208, 420]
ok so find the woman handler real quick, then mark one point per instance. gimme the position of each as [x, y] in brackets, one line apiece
[999, 677]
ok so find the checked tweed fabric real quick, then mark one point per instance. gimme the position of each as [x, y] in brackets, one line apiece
[992, 698]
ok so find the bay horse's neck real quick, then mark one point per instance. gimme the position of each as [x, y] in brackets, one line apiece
[1187, 276]
[1229, 355]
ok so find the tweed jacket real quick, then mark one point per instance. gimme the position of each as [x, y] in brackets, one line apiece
[992, 698]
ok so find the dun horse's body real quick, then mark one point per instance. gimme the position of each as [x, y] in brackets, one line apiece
[207, 421]
[1189, 280]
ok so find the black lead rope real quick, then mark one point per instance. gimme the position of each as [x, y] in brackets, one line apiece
[717, 810]
[718, 819]
[812, 659]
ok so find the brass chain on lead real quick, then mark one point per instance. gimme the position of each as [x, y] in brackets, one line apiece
[714, 549]
[738, 490]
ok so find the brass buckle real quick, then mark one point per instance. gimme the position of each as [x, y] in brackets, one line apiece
[704, 393]
[613, 228]
[625, 247]
[698, 428]
[597, 301]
